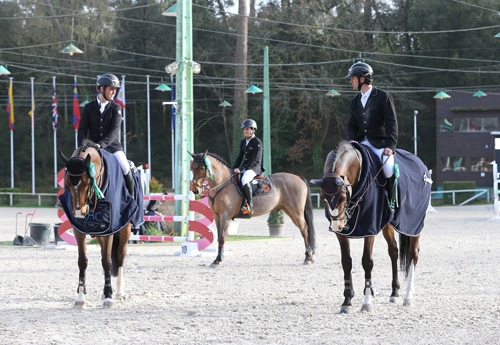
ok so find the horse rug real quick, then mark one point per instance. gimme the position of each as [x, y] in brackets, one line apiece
[373, 211]
[116, 209]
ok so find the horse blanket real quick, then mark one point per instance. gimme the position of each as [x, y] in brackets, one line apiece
[373, 212]
[116, 210]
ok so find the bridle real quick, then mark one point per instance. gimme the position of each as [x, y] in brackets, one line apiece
[205, 178]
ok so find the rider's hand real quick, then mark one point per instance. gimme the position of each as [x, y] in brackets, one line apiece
[236, 170]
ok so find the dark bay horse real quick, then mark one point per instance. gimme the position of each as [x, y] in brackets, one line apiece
[285, 191]
[353, 191]
[85, 177]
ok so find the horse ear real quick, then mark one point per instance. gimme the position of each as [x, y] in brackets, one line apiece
[316, 182]
[205, 154]
[192, 155]
[87, 161]
[63, 157]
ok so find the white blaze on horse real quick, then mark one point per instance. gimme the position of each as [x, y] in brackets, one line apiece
[88, 200]
[353, 191]
[282, 191]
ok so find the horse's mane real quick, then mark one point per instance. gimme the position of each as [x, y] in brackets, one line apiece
[333, 156]
[218, 158]
[88, 143]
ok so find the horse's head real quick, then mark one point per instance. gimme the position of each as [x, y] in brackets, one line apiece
[83, 169]
[199, 170]
[339, 176]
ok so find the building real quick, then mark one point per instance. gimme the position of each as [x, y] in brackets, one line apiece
[465, 145]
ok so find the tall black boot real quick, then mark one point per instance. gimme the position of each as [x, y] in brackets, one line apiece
[391, 192]
[248, 195]
[129, 182]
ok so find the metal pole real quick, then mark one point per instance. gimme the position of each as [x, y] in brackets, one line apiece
[11, 137]
[415, 113]
[172, 126]
[32, 135]
[149, 127]
[266, 115]
[184, 118]
[55, 136]
[124, 113]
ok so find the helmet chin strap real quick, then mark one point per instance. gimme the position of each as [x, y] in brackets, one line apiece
[360, 84]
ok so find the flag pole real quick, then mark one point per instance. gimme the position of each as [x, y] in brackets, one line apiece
[54, 127]
[149, 128]
[32, 135]
[11, 137]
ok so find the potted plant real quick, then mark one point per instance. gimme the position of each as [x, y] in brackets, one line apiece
[276, 223]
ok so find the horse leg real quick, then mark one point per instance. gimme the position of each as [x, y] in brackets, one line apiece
[118, 259]
[367, 262]
[303, 225]
[345, 252]
[221, 238]
[81, 291]
[392, 248]
[106, 246]
[412, 258]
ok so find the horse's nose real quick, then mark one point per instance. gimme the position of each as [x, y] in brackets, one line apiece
[195, 191]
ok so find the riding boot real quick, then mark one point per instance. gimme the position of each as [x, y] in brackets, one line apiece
[248, 195]
[129, 182]
[391, 192]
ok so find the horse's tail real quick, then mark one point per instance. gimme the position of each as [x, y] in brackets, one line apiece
[114, 255]
[404, 245]
[308, 215]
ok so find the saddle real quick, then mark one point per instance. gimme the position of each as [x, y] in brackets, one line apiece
[261, 184]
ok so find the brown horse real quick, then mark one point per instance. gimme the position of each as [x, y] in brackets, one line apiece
[346, 189]
[288, 192]
[85, 176]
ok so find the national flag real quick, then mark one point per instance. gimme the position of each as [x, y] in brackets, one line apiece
[30, 113]
[76, 107]
[55, 115]
[10, 107]
[120, 96]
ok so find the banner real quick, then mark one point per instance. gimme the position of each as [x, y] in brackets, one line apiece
[10, 107]
[76, 108]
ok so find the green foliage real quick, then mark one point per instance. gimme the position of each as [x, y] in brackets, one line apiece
[276, 217]
[458, 185]
[152, 230]
[155, 186]
[5, 198]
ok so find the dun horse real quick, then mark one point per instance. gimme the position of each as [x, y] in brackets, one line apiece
[353, 190]
[86, 177]
[284, 191]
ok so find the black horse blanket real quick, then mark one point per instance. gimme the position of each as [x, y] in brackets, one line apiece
[116, 210]
[373, 212]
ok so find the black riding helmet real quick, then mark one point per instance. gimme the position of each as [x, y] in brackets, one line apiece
[361, 69]
[249, 123]
[106, 80]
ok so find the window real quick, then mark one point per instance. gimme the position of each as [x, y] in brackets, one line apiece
[453, 163]
[472, 124]
[480, 163]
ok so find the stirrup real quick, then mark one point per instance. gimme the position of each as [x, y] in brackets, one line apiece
[246, 209]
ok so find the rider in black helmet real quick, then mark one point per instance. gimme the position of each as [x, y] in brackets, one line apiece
[373, 121]
[101, 120]
[249, 162]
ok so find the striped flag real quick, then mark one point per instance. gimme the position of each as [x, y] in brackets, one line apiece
[76, 107]
[10, 107]
[120, 96]
[55, 115]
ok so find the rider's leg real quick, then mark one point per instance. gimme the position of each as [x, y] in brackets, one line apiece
[246, 179]
[390, 180]
[127, 173]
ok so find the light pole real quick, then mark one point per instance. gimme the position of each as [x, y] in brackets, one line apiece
[415, 113]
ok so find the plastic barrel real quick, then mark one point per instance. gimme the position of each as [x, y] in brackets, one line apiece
[40, 233]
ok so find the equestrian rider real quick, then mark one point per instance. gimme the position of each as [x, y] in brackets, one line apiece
[249, 162]
[100, 122]
[373, 122]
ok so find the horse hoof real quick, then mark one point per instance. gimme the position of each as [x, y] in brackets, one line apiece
[308, 261]
[407, 302]
[214, 265]
[367, 307]
[393, 299]
[80, 305]
[108, 303]
[346, 309]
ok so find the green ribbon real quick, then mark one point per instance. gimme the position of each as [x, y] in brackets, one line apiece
[208, 164]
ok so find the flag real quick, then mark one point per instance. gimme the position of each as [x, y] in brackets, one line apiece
[120, 96]
[55, 115]
[10, 107]
[76, 108]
